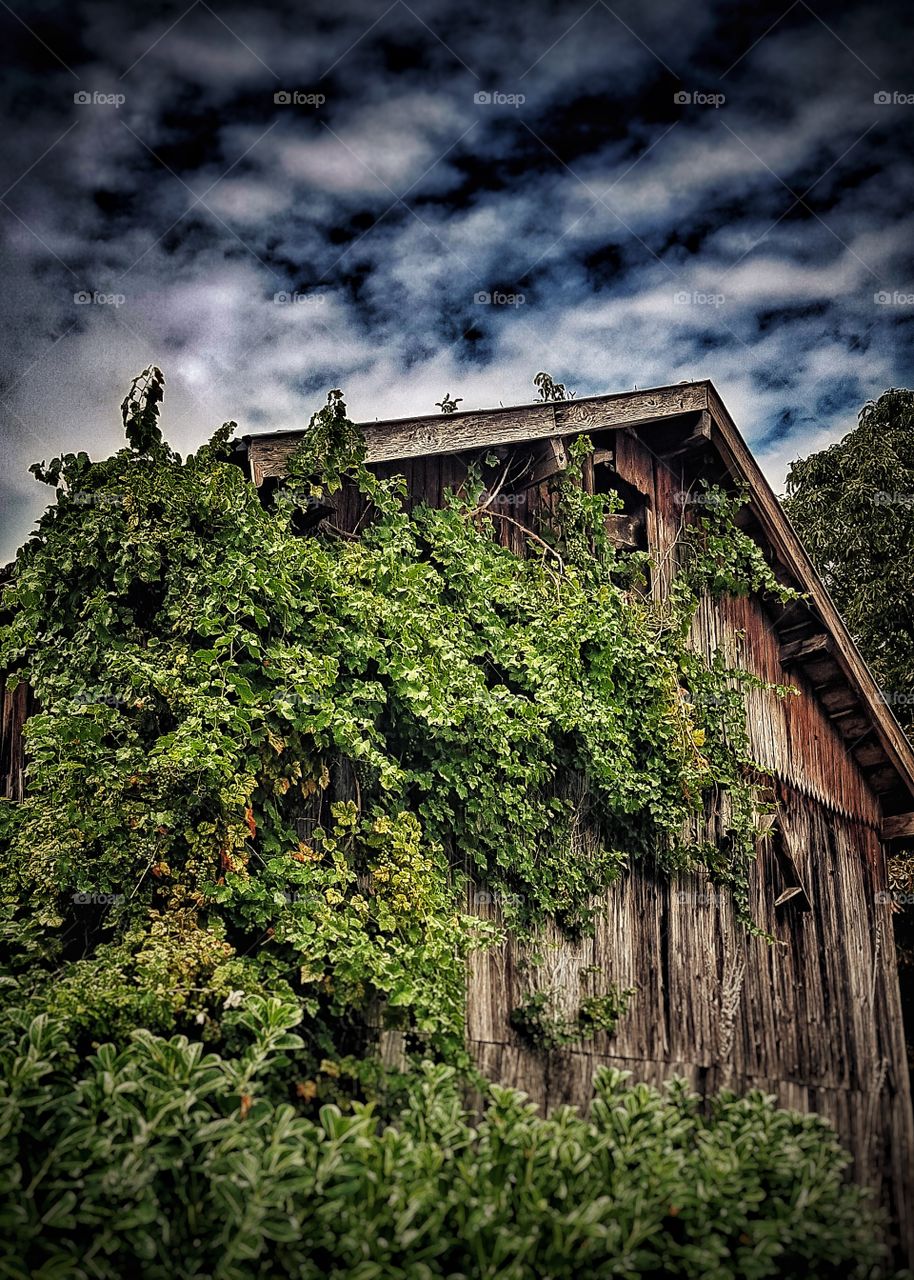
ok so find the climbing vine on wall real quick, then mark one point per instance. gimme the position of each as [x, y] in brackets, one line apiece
[268, 754]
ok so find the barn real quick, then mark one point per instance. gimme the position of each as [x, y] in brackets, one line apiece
[814, 1019]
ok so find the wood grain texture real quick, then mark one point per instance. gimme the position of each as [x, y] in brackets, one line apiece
[814, 1019]
[457, 432]
[16, 705]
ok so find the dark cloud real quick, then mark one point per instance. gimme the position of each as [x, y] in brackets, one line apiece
[262, 249]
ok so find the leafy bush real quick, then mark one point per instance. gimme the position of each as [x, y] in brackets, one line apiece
[162, 1160]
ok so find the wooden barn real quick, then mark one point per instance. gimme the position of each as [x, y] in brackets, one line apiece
[814, 1020]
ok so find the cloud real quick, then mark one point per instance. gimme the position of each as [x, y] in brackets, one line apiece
[264, 254]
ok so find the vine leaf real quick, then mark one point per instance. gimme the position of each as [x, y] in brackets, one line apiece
[140, 410]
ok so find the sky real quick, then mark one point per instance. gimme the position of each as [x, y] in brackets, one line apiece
[405, 200]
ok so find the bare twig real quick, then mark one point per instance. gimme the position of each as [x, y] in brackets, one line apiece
[498, 515]
[493, 493]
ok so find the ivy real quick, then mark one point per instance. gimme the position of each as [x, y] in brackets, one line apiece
[540, 1025]
[268, 761]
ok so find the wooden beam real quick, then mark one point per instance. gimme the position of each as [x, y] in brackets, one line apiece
[799, 650]
[699, 436]
[854, 725]
[870, 754]
[549, 459]
[456, 432]
[838, 700]
[899, 827]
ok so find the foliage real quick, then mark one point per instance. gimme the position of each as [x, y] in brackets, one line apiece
[550, 390]
[540, 1024]
[213, 685]
[269, 757]
[853, 506]
[161, 1159]
[602, 1013]
[140, 411]
[448, 404]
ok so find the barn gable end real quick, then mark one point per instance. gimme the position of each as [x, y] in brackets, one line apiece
[816, 1019]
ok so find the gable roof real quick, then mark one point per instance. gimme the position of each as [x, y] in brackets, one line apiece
[888, 752]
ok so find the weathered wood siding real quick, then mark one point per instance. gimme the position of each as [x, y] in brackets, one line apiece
[815, 1019]
[16, 706]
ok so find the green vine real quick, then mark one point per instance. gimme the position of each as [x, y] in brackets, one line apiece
[540, 1025]
[269, 762]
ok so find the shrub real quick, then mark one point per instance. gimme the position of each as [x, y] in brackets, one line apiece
[163, 1160]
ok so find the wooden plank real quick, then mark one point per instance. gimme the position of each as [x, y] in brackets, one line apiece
[550, 458]
[815, 1020]
[813, 647]
[899, 827]
[456, 432]
[781, 534]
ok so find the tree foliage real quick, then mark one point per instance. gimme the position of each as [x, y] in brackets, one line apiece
[853, 506]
